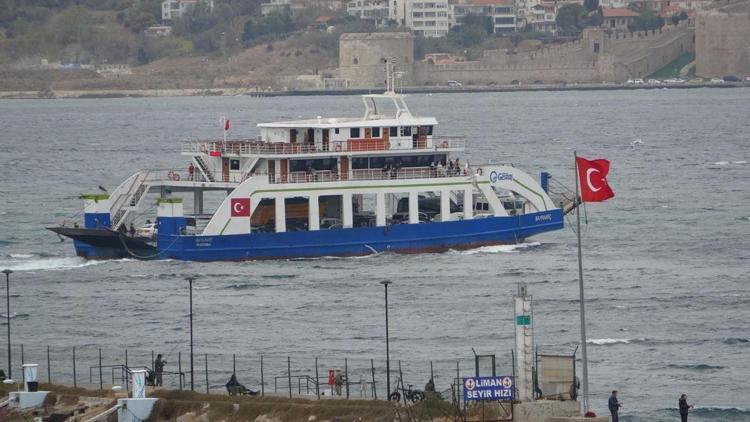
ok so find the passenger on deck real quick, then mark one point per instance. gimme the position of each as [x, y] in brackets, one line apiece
[440, 169]
[131, 230]
[191, 171]
[122, 229]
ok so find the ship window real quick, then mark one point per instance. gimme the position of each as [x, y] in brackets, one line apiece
[405, 130]
[425, 130]
[322, 164]
[359, 163]
[376, 132]
[234, 164]
[354, 132]
[336, 131]
[393, 131]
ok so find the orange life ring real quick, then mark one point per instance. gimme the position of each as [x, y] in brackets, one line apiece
[338, 147]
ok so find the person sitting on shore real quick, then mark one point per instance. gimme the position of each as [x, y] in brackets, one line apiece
[234, 387]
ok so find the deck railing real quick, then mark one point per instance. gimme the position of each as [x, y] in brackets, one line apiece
[366, 174]
[256, 147]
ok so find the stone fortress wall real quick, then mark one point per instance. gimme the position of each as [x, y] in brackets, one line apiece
[722, 41]
[362, 57]
[601, 55]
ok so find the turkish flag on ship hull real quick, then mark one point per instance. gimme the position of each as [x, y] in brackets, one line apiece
[240, 207]
[592, 175]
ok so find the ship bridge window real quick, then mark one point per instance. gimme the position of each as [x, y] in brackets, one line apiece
[376, 132]
[405, 130]
[321, 164]
[234, 164]
[336, 131]
[393, 131]
[354, 132]
[425, 130]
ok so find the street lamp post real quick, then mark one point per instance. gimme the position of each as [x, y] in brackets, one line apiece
[387, 345]
[7, 273]
[190, 282]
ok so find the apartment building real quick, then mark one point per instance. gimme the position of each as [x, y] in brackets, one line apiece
[501, 12]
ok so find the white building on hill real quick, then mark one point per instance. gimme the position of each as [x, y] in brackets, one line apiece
[501, 12]
[374, 10]
[173, 9]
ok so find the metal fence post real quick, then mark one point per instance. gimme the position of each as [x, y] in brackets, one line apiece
[179, 368]
[101, 382]
[374, 390]
[207, 391]
[432, 373]
[234, 364]
[125, 372]
[317, 379]
[458, 386]
[346, 376]
[49, 371]
[289, 373]
[75, 382]
[262, 384]
[152, 361]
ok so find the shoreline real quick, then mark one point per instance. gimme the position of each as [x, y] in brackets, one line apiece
[234, 92]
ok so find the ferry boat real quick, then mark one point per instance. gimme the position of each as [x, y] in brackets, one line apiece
[319, 187]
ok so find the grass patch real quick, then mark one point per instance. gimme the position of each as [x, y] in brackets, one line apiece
[672, 69]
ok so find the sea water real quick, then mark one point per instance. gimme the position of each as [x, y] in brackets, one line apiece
[666, 261]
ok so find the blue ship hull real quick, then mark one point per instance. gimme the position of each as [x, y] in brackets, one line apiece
[402, 238]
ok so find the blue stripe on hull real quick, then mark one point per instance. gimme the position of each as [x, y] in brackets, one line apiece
[406, 238]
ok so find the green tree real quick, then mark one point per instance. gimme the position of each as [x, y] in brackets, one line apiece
[571, 18]
[646, 20]
[591, 5]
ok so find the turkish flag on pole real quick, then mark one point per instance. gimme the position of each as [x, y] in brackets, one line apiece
[226, 125]
[240, 207]
[592, 175]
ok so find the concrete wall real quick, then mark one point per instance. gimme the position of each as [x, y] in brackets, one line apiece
[362, 57]
[722, 42]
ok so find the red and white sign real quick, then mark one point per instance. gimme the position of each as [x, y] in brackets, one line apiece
[240, 207]
[593, 177]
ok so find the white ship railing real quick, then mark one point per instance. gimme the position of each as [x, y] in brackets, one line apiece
[256, 147]
[366, 174]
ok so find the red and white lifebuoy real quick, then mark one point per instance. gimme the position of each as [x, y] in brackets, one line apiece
[173, 176]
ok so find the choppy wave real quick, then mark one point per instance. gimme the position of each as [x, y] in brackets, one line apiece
[501, 248]
[696, 367]
[718, 413]
[735, 340]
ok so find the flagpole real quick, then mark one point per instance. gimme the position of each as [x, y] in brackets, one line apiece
[580, 288]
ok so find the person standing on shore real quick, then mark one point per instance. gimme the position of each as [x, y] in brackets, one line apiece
[684, 407]
[614, 406]
[159, 369]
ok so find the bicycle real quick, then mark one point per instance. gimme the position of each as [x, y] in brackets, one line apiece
[414, 396]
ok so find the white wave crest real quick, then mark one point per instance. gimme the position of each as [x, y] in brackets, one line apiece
[602, 341]
[721, 163]
[739, 162]
[501, 248]
[21, 255]
[42, 264]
